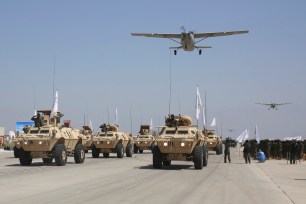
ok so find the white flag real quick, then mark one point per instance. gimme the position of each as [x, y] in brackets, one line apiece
[90, 125]
[242, 136]
[55, 105]
[151, 124]
[116, 117]
[257, 135]
[246, 136]
[213, 123]
[35, 112]
[198, 104]
[204, 119]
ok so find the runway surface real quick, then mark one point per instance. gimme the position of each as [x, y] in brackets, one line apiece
[133, 180]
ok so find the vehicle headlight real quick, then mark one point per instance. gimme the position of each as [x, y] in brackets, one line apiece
[138, 142]
[108, 142]
[25, 143]
[40, 142]
[183, 144]
[98, 142]
[145, 142]
[165, 144]
[18, 143]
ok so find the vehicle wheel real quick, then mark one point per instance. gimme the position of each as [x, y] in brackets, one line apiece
[167, 163]
[79, 154]
[25, 158]
[200, 52]
[152, 147]
[94, 152]
[47, 160]
[205, 156]
[60, 155]
[120, 150]
[141, 151]
[217, 149]
[198, 157]
[221, 148]
[135, 149]
[16, 152]
[175, 52]
[157, 158]
[129, 150]
[106, 155]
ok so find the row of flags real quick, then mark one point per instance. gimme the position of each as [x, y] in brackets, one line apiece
[245, 135]
[199, 106]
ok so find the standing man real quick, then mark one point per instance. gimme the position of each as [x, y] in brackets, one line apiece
[246, 152]
[227, 152]
[37, 120]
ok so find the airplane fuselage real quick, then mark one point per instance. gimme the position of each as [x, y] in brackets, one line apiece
[187, 41]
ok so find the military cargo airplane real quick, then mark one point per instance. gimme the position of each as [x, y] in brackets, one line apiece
[272, 106]
[188, 38]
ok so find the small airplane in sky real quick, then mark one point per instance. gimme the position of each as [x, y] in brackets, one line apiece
[188, 38]
[272, 106]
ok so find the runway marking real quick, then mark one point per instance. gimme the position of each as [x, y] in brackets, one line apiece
[284, 192]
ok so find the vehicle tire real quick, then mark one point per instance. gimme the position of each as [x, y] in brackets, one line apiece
[60, 155]
[129, 150]
[221, 148]
[79, 154]
[205, 155]
[157, 158]
[167, 163]
[25, 158]
[120, 150]
[94, 152]
[217, 149]
[141, 151]
[47, 160]
[198, 157]
[16, 152]
[106, 155]
[135, 149]
[152, 147]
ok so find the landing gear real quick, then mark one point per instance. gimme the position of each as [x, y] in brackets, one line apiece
[175, 52]
[200, 51]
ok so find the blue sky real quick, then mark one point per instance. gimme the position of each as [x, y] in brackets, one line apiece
[100, 66]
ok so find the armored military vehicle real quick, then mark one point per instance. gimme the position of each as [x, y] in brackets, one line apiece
[50, 141]
[214, 141]
[179, 140]
[109, 140]
[87, 131]
[144, 140]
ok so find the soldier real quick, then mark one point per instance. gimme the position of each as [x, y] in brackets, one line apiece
[300, 150]
[37, 120]
[279, 149]
[246, 152]
[293, 151]
[227, 152]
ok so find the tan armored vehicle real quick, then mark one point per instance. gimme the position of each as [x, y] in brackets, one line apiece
[214, 141]
[87, 132]
[179, 140]
[50, 141]
[109, 140]
[144, 140]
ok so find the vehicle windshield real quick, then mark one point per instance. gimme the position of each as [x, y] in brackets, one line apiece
[182, 132]
[104, 134]
[44, 131]
[33, 132]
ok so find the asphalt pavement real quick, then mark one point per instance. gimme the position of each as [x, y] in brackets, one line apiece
[134, 180]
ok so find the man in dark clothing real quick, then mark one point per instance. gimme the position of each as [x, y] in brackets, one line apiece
[37, 120]
[227, 152]
[246, 152]
[293, 151]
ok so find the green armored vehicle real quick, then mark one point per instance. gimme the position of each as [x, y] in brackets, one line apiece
[179, 140]
[214, 141]
[144, 140]
[50, 141]
[109, 140]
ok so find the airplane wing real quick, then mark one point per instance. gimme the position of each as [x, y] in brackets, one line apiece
[203, 46]
[157, 35]
[266, 104]
[278, 104]
[218, 34]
